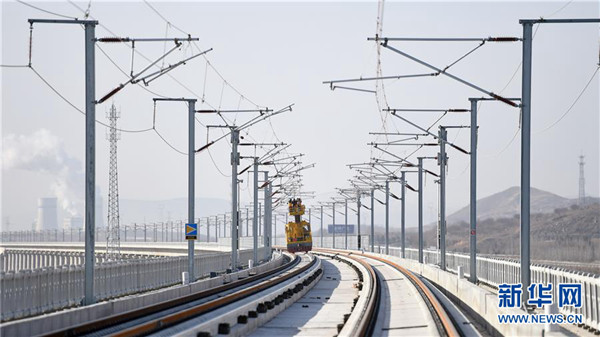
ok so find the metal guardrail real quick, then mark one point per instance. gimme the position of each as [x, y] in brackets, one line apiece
[30, 292]
[21, 259]
[153, 232]
[495, 271]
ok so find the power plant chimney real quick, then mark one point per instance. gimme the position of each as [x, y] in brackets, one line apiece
[47, 217]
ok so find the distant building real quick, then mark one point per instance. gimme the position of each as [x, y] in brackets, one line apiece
[74, 222]
[47, 217]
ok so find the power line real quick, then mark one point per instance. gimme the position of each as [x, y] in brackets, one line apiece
[421, 146]
[560, 9]
[573, 104]
[203, 100]
[86, 13]
[205, 57]
[195, 44]
[208, 64]
[215, 164]
[47, 11]
[505, 147]
[501, 91]
[146, 58]
[72, 104]
[379, 85]
[162, 17]
[145, 88]
[78, 109]
[114, 63]
[558, 120]
[126, 75]
[169, 144]
[518, 66]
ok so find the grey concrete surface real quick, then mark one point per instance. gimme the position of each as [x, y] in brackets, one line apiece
[319, 311]
[229, 314]
[402, 310]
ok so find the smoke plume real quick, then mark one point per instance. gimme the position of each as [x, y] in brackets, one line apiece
[43, 152]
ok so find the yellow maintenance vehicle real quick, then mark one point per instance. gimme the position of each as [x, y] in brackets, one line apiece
[297, 232]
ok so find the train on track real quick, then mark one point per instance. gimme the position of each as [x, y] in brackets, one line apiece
[297, 233]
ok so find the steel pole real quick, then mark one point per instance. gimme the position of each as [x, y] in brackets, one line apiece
[90, 161]
[247, 221]
[191, 181]
[235, 160]
[260, 219]
[271, 237]
[255, 214]
[207, 229]
[387, 217]
[270, 219]
[403, 214]
[372, 220]
[346, 224]
[267, 218]
[333, 242]
[526, 158]
[358, 219]
[322, 234]
[442, 162]
[473, 200]
[285, 227]
[420, 210]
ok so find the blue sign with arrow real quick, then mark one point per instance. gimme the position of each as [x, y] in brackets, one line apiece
[191, 231]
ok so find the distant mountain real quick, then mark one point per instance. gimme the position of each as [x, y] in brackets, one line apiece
[565, 234]
[507, 203]
[132, 210]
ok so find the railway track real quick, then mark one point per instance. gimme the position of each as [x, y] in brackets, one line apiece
[446, 321]
[445, 324]
[363, 318]
[229, 309]
[168, 314]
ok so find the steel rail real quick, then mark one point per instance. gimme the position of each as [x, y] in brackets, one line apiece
[121, 318]
[181, 316]
[446, 324]
[369, 318]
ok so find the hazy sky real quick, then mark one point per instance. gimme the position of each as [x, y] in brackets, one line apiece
[277, 53]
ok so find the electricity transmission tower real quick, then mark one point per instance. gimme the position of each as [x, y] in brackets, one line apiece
[113, 239]
[581, 180]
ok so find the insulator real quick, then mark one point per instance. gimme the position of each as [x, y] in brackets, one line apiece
[503, 39]
[502, 99]
[113, 39]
